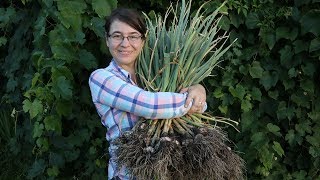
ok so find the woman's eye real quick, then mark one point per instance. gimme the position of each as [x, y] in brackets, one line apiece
[117, 36]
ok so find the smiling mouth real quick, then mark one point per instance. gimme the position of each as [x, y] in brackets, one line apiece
[125, 52]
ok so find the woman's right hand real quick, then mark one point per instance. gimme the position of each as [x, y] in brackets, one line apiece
[196, 96]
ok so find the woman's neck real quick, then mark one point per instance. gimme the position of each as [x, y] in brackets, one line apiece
[132, 72]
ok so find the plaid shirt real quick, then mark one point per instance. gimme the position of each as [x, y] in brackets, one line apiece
[120, 102]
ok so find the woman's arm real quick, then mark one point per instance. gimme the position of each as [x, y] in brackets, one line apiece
[112, 91]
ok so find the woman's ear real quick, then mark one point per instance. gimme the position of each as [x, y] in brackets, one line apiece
[107, 42]
[106, 35]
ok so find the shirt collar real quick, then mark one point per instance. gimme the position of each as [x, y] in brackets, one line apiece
[122, 72]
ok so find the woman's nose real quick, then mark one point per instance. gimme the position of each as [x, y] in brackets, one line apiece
[125, 42]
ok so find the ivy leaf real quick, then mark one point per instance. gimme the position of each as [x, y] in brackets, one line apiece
[301, 99]
[314, 44]
[69, 15]
[268, 37]
[71, 155]
[258, 139]
[268, 79]
[87, 59]
[103, 7]
[61, 71]
[26, 105]
[277, 147]
[61, 50]
[247, 118]
[273, 94]
[3, 41]
[300, 46]
[224, 23]
[314, 151]
[246, 105]
[37, 168]
[314, 140]
[303, 127]
[11, 84]
[53, 171]
[307, 85]
[43, 144]
[286, 33]
[64, 107]
[308, 69]
[48, 3]
[235, 19]
[97, 25]
[282, 110]
[6, 15]
[274, 129]
[217, 93]
[37, 129]
[56, 159]
[256, 70]
[286, 56]
[238, 92]
[256, 94]
[35, 79]
[314, 115]
[53, 123]
[72, 6]
[300, 175]
[252, 20]
[33, 108]
[310, 22]
[288, 83]
[62, 87]
[292, 73]
[290, 137]
[223, 109]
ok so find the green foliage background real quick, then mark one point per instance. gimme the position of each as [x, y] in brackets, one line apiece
[269, 81]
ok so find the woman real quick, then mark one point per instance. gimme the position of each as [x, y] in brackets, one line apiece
[118, 99]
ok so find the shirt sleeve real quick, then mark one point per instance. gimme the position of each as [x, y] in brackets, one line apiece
[108, 89]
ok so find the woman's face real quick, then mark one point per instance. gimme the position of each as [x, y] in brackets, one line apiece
[124, 51]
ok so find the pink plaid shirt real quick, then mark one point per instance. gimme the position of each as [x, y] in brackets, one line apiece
[120, 102]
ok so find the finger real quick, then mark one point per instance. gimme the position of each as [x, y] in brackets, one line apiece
[183, 90]
[190, 100]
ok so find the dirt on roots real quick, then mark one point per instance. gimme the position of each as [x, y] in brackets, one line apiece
[176, 157]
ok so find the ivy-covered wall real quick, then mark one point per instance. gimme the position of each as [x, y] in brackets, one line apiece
[269, 81]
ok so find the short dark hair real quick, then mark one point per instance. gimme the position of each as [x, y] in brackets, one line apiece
[128, 16]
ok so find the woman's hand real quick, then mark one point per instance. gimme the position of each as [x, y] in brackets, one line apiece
[196, 95]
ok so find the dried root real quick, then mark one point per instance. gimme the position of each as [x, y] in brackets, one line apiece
[204, 156]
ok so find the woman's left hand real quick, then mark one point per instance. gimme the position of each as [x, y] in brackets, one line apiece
[196, 96]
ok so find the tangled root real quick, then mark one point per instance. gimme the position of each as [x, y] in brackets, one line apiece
[208, 156]
[204, 156]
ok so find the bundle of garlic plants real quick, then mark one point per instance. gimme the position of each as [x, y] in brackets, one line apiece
[176, 55]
